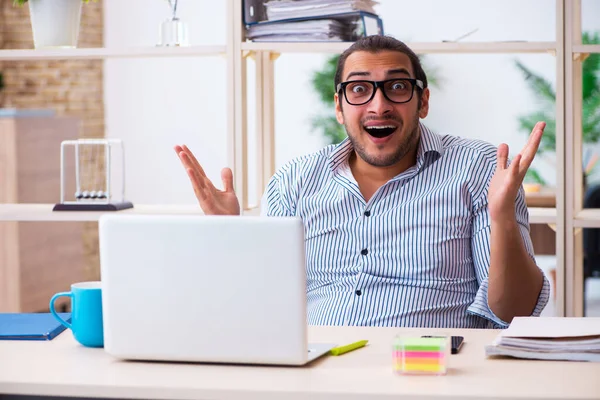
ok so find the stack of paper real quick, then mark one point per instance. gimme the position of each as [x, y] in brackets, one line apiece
[285, 9]
[552, 338]
[310, 30]
[310, 20]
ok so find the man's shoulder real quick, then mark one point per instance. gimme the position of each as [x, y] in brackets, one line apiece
[464, 146]
[306, 163]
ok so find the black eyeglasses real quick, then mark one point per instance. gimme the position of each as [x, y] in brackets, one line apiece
[398, 90]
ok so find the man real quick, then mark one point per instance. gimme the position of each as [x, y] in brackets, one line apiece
[403, 226]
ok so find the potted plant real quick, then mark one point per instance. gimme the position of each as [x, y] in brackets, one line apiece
[55, 23]
[547, 97]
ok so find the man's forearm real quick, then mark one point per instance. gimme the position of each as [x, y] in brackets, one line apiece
[515, 281]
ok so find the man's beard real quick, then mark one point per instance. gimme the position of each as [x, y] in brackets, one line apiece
[403, 149]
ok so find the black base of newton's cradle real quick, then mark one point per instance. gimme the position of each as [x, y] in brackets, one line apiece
[92, 207]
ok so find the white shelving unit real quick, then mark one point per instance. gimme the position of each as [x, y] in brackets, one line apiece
[542, 215]
[108, 53]
[589, 218]
[420, 48]
[586, 48]
[43, 212]
[568, 216]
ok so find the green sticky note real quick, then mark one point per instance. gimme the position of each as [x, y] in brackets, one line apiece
[422, 344]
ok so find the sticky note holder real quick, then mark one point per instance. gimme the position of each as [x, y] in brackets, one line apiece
[420, 356]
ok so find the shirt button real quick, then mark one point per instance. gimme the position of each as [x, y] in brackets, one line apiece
[364, 252]
[367, 213]
[358, 292]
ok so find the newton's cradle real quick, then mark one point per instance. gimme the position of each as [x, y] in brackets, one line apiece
[95, 176]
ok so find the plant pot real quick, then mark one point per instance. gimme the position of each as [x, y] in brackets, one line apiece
[55, 23]
[532, 187]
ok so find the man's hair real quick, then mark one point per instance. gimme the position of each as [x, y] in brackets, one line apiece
[375, 44]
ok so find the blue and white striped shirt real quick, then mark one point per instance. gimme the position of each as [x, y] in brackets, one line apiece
[416, 254]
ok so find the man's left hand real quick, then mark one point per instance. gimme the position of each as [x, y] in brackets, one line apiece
[506, 182]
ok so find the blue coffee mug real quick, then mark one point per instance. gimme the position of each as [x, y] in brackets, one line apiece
[86, 313]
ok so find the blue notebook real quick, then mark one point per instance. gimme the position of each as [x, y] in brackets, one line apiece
[31, 326]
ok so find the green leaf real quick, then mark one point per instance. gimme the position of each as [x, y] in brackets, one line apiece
[533, 176]
[591, 67]
[591, 119]
[591, 91]
[548, 142]
[323, 81]
[330, 128]
[546, 95]
[538, 84]
[432, 72]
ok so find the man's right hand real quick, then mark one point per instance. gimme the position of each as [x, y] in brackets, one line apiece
[212, 200]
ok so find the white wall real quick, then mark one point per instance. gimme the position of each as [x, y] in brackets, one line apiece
[153, 104]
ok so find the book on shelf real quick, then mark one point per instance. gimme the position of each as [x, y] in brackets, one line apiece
[549, 338]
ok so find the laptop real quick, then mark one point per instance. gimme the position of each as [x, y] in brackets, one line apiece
[215, 289]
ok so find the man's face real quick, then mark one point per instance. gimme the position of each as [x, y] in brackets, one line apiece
[382, 132]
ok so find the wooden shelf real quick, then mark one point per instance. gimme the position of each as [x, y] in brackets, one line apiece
[588, 218]
[43, 212]
[586, 48]
[276, 47]
[542, 215]
[107, 53]
[421, 48]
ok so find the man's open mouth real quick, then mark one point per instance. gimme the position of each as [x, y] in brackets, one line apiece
[380, 131]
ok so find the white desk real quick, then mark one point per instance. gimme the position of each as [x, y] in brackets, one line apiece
[63, 368]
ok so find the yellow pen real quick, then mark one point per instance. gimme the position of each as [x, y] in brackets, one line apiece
[338, 351]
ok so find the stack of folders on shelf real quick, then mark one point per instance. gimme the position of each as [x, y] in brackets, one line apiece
[549, 338]
[286, 9]
[310, 20]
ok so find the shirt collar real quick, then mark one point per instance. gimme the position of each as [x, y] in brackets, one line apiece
[430, 142]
